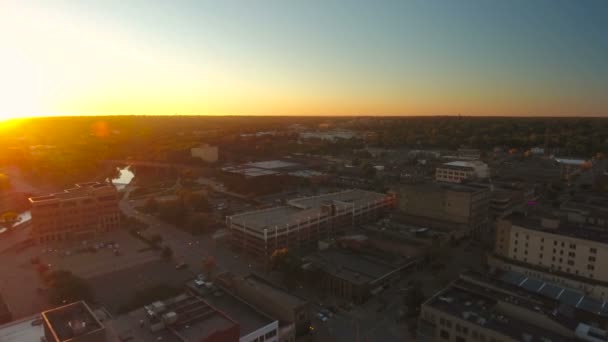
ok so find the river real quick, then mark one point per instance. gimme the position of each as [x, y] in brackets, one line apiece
[125, 176]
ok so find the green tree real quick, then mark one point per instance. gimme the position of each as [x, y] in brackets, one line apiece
[173, 212]
[167, 253]
[64, 287]
[289, 265]
[198, 202]
[198, 223]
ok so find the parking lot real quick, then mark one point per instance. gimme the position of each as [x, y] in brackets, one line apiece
[111, 252]
[126, 282]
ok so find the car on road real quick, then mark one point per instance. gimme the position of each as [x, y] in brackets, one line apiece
[327, 313]
[181, 266]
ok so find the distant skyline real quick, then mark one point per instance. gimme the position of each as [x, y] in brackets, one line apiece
[314, 57]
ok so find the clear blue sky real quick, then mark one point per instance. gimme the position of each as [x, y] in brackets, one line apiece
[478, 57]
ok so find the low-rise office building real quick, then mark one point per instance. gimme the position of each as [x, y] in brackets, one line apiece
[476, 309]
[459, 171]
[304, 221]
[218, 317]
[553, 249]
[460, 208]
[80, 213]
[74, 322]
[355, 275]
[270, 299]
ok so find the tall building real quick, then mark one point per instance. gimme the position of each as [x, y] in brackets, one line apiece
[555, 250]
[458, 171]
[462, 209]
[304, 221]
[475, 308]
[79, 213]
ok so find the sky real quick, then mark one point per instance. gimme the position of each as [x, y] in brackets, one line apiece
[304, 57]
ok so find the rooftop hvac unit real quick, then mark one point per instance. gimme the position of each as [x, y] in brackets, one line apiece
[170, 318]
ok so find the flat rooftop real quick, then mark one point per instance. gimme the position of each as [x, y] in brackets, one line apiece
[71, 320]
[588, 203]
[27, 329]
[282, 296]
[354, 267]
[565, 228]
[480, 307]
[465, 164]
[81, 190]
[248, 318]
[304, 209]
[197, 320]
[456, 187]
[354, 197]
[555, 292]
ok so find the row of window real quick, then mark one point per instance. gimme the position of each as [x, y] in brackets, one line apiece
[555, 243]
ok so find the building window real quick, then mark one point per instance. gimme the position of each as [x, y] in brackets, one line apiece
[592, 250]
[571, 254]
[460, 339]
[571, 262]
[542, 247]
[554, 243]
[540, 256]
[444, 335]
[573, 246]
[542, 239]
[441, 321]
[514, 250]
[591, 258]
[590, 267]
